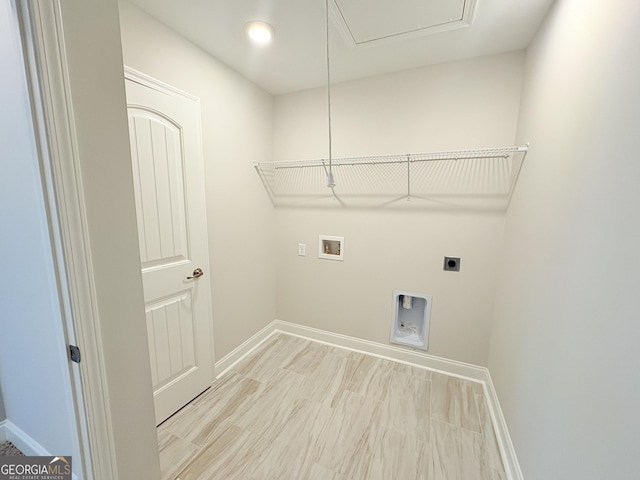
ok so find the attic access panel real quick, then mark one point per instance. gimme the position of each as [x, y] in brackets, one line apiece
[366, 22]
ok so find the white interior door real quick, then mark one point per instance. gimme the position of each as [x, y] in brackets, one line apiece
[164, 126]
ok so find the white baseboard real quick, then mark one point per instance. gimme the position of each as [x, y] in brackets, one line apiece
[228, 361]
[398, 354]
[27, 445]
[443, 365]
[505, 444]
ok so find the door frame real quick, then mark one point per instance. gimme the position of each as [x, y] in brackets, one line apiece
[50, 93]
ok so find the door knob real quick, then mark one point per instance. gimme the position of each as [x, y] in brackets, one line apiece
[196, 273]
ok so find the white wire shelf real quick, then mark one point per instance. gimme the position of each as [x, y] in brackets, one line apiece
[476, 179]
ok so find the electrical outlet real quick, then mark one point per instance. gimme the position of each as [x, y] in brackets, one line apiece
[452, 264]
[302, 249]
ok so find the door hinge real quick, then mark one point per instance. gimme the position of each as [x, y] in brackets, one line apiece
[74, 353]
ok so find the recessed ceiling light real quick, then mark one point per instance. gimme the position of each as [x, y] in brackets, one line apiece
[259, 32]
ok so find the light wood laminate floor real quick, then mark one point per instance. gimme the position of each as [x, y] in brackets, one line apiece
[297, 409]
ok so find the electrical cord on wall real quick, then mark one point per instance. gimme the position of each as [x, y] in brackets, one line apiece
[331, 183]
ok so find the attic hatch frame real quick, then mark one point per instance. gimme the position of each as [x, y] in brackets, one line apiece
[482, 178]
[465, 19]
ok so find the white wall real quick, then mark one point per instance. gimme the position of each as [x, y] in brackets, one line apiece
[92, 38]
[564, 354]
[467, 104]
[451, 106]
[237, 130]
[33, 363]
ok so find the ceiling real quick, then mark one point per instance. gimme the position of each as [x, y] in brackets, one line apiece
[367, 37]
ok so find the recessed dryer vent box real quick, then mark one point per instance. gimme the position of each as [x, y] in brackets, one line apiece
[330, 247]
[411, 318]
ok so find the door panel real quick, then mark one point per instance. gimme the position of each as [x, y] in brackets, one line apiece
[158, 172]
[164, 128]
[171, 342]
